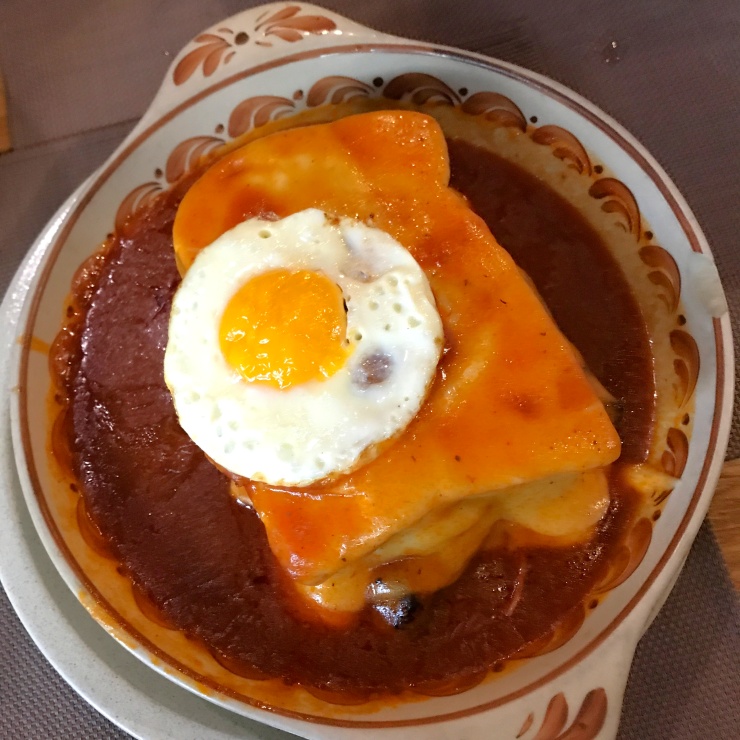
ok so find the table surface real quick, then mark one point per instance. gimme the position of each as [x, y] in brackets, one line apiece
[79, 73]
[724, 514]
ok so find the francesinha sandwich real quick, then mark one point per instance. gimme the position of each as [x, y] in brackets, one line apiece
[355, 350]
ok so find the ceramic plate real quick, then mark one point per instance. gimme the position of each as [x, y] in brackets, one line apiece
[270, 62]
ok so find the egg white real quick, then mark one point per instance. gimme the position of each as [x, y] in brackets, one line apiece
[314, 430]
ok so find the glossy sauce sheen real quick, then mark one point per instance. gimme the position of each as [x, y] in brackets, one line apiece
[203, 559]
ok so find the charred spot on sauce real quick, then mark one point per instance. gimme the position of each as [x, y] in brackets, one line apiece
[399, 613]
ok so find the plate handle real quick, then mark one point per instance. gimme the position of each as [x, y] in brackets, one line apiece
[585, 702]
[250, 41]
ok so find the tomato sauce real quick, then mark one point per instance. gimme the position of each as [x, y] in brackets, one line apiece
[202, 558]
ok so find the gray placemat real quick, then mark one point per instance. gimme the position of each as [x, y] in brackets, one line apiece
[79, 73]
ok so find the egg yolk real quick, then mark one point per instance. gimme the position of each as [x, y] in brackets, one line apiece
[285, 327]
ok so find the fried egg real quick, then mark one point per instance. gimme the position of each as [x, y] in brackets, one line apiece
[297, 346]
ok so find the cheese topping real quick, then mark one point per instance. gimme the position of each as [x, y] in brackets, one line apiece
[511, 414]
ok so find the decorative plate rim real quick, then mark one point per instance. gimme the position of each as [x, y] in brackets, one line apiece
[719, 434]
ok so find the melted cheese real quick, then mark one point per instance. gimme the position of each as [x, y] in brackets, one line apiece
[432, 553]
[511, 404]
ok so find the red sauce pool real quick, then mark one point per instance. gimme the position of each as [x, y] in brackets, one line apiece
[203, 560]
